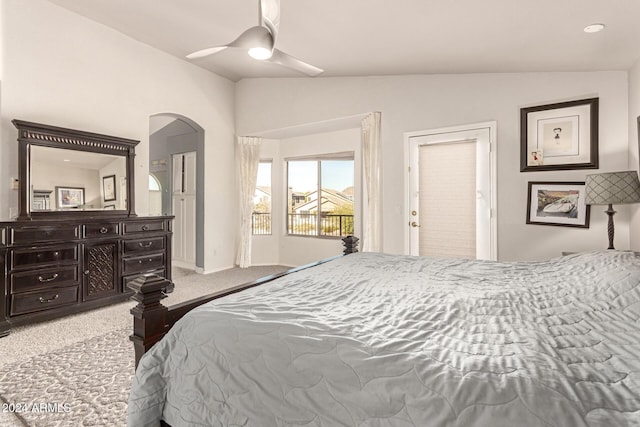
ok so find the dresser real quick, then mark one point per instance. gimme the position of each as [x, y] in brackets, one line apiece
[55, 268]
[77, 240]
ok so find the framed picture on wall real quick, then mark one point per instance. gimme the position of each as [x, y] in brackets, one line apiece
[559, 136]
[109, 187]
[558, 203]
[69, 197]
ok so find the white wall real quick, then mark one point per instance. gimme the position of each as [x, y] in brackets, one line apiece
[265, 249]
[412, 103]
[119, 169]
[634, 112]
[62, 69]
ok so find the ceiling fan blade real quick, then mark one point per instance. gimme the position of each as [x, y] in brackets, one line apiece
[270, 15]
[252, 37]
[279, 57]
[206, 52]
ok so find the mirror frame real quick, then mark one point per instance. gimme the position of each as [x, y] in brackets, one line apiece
[30, 134]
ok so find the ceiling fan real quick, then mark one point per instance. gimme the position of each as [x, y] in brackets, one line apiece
[260, 41]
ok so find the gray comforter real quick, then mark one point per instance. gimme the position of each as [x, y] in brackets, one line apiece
[380, 340]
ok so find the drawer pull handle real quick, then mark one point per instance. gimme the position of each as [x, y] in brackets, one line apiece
[145, 227]
[49, 279]
[56, 254]
[145, 245]
[103, 230]
[44, 301]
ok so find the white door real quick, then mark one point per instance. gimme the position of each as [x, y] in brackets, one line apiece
[451, 195]
[184, 209]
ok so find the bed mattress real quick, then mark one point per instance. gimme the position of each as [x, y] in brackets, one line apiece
[381, 340]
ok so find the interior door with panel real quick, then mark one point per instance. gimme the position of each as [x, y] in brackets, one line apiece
[451, 200]
[184, 209]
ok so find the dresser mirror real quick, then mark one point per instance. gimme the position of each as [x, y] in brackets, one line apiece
[77, 180]
[66, 172]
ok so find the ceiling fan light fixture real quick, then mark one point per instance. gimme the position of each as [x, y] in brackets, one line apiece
[259, 41]
[260, 53]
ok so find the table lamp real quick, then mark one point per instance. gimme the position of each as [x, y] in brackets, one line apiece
[612, 188]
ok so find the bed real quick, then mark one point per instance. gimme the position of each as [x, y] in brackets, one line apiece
[373, 339]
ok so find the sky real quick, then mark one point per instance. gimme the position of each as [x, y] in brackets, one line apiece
[336, 175]
[303, 175]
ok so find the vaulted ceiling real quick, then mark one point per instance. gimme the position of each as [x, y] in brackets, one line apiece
[388, 37]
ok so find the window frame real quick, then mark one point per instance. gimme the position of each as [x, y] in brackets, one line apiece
[344, 156]
[270, 233]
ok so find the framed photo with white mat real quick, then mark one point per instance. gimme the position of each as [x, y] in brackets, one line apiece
[559, 136]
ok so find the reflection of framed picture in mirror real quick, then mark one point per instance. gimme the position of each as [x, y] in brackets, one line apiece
[559, 136]
[69, 197]
[109, 187]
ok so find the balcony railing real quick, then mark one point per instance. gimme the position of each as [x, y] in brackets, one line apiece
[330, 224]
[305, 224]
[261, 223]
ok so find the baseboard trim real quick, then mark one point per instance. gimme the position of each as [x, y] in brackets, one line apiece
[184, 265]
[215, 270]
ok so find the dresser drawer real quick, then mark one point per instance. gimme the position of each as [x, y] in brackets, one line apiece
[128, 279]
[101, 230]
[142, 264]
[32, 257]
[42, 233]
[152, 244]
[143, 226]
[45, 278]
[29, 302]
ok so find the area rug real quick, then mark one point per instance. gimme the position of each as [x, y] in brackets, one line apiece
[83, 384]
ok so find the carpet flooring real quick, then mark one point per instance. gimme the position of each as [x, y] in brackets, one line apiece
[76, 371]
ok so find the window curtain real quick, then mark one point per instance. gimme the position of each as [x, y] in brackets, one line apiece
[248, 158]
[372, 159]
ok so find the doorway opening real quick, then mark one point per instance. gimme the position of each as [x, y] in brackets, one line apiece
[179, 191]
[451, 196]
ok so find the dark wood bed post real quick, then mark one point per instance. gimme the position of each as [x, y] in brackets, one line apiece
[152, 320]
[350, 244]
[149, 316]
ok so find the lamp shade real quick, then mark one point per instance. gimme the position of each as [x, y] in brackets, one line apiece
[612, 188]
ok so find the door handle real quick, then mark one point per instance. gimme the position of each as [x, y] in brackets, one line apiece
[414, 224]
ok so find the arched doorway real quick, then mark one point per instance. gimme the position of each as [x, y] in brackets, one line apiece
[176, 162]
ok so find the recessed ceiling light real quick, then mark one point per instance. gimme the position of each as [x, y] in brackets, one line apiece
[594, 28]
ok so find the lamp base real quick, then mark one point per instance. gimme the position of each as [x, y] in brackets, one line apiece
[610, 212]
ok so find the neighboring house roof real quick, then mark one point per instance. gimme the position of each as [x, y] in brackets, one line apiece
[348, 192]
[263, 189]
[330, 199]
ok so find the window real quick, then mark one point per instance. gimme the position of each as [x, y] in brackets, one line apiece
[320, 196]
[154, 184]
[261, 218]
[155, 196]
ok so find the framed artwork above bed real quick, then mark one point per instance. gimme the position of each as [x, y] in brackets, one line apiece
[558, 203]
[559, 136]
